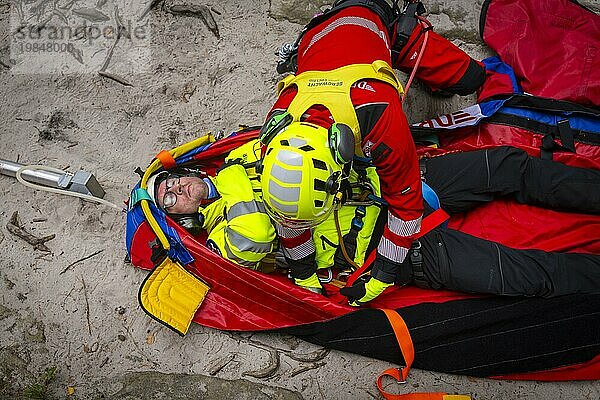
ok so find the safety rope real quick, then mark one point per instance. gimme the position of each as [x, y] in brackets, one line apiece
[341, 240]
[425, 24]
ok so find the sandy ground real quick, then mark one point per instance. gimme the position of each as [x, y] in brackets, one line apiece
[83, 318]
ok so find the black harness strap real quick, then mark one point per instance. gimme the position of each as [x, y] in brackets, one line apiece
[351, 238]
[416, 261]
[407, 22]
[566, 135]
[567, 138]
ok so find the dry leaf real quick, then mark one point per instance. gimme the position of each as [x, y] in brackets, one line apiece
[92, 349]
[150, 338]
[70, 390]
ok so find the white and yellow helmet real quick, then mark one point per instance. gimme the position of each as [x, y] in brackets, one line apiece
[300, 176]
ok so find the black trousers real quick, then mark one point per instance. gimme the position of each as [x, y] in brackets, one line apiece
[458, 261]
[477, 337]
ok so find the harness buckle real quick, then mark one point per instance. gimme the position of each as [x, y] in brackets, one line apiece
[357, 221]
[416, 259]
[401, 381]
[423, 169]
[327, 279]
[416, 263]
[360, 211]
[357, 224]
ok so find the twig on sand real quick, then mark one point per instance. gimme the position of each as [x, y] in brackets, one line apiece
[219, 364]
[87, 306]
[120, 31]
[267, 371]
[80, 260]
[14, 226]
[310, 357]
[138, 347]
[312, 360]
[200, 11]
[152, 4]
[306, 367]
[110, 52]
[114, 77]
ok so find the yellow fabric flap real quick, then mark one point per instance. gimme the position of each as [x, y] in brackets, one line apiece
[172, 295]
[284, 83]
[456, 397]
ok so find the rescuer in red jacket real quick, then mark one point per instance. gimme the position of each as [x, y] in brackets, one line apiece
[344, 83]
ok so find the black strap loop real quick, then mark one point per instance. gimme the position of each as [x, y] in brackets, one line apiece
[566, 135]
[406, 25]
[567, 138]
[416, 261]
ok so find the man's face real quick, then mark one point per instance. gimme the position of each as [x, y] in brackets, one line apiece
[187, 192]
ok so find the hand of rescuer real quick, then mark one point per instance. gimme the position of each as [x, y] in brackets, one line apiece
[311, 283]
[365, 289]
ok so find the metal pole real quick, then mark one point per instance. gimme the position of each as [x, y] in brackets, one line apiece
[80, 181]
[45, 178]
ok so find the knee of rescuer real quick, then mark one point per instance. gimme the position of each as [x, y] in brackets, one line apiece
[472, 79]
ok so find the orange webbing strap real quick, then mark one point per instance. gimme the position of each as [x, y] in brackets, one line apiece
[400, 374]
[404, 341]
[166, 159]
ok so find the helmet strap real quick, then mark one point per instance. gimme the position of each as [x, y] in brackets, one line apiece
[190, 222]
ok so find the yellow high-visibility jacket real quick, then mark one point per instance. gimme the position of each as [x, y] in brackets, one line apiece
[239, 228]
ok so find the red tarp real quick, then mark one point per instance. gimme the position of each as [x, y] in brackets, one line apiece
[553, 46]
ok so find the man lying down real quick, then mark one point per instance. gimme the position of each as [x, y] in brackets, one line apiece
[230, 209]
